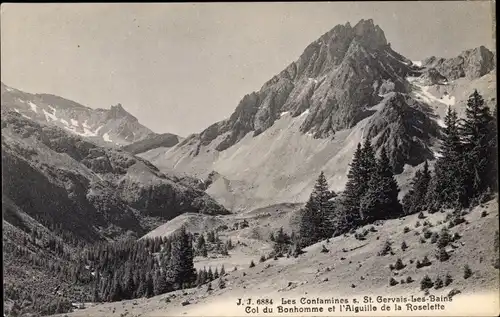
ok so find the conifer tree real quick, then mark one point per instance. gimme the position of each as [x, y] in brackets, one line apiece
[445, 188]
[477, 139]
[381, 198]
[222, 271]
[116, 291]
[142, 285]
[210, 274]
[353, 189]
[316, 217]
[149, 289]
[130, 286]
[181, 268]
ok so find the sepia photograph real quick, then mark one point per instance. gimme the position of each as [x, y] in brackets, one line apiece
[250, 159]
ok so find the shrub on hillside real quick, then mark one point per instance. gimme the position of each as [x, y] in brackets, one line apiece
[417, 224]
[448, 279]
[404, 246]
[426, 283]
[456, 237]
[442, 255]
[406, 230]
[386, 249]
[467, 271]
[484, 214]
[426, 261]
[434, 237]
[409, 280]
[262, 258]
[428, 234]
[324, 249]
[252, 264]
[421, 215]
[453, 292]
[444, 238]
[438, 283]
[399, 264]
[392, 281]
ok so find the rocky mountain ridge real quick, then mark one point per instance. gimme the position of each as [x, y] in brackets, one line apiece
[346, 86]
[112, 127]
[59, 179]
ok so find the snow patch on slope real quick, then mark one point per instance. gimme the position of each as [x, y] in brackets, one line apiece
[106, 137]
[49, 116]
[422, 92]
[97, 130]
[74, 122]
[417, 63]
[33, 106]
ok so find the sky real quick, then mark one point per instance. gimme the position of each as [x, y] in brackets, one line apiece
[180, 67]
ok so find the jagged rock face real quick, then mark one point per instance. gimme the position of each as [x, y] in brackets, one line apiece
[114, 127]
[336, 78]
[56, 177]
[431, 76]
[471, 64]
[403, 127]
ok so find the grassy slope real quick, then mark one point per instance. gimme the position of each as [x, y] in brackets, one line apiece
[327, 274]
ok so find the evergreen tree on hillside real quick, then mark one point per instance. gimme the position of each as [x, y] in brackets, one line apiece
[116, 289]
[180, 268]
[381, 198]
[353, 189]
[130, 287]
[316, 216]
[414, 200]
[149, 289]
[161, 284]
[476, 131]
[445, 187]
[368, 163]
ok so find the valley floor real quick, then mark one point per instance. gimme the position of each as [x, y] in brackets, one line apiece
[351, 269]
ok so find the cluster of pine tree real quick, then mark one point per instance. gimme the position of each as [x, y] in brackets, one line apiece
[212, 243]
[466, 169]
[204, 276]
[132, 269]
[285, 244]
[371, 191]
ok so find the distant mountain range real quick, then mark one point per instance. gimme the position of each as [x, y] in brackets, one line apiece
[113, 127]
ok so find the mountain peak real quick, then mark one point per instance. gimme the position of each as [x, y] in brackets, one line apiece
[118, 111]
[370, 34]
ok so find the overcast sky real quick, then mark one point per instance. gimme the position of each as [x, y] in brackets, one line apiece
[181, 67]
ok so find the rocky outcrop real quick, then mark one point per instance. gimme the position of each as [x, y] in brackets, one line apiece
[471, 64]
[403, 127]
[59, 179]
